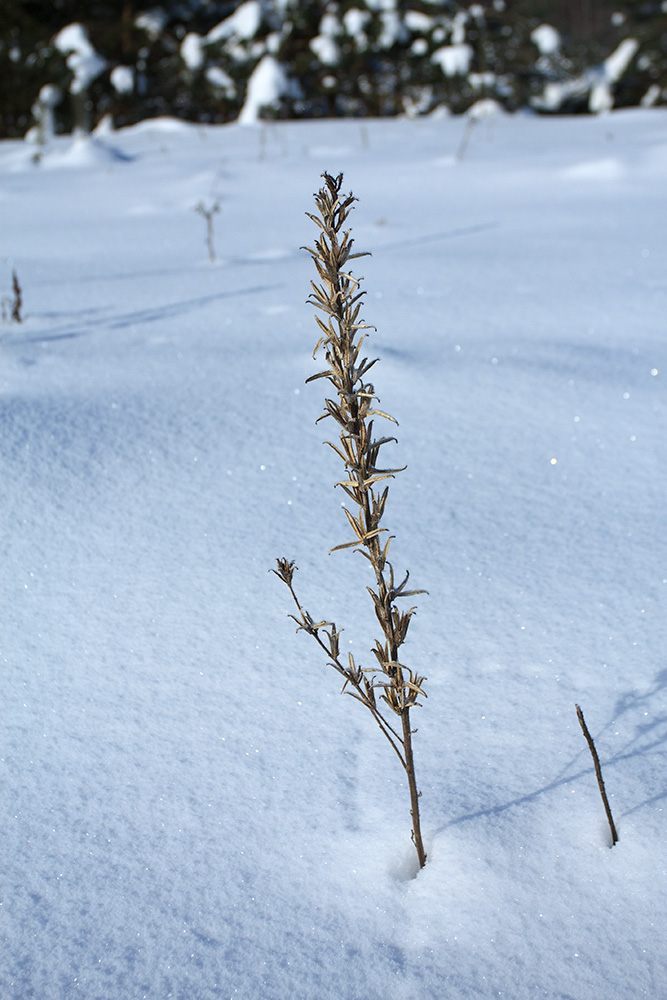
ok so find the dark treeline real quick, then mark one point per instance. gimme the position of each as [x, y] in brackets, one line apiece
[196, 59]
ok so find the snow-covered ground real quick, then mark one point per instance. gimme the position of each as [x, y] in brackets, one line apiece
[190, 808]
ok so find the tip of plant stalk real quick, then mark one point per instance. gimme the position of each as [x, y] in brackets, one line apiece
[285, 570]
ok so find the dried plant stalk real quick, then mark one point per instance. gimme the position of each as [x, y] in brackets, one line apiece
[208, 213]
[598, 775]
[339, 298]
[18, 298]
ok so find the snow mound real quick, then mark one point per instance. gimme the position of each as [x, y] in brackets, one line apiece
[607, 169]
[82, 152]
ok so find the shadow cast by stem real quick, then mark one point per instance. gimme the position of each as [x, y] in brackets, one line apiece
[637, 745]
[448, 234]
[139, 317]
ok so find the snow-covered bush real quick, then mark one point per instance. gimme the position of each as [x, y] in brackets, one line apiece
[84, 64]
[43, 130]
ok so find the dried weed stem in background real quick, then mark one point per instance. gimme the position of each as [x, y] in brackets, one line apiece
[353, 409]
[208, 212]
[598, 774]
[18, 298]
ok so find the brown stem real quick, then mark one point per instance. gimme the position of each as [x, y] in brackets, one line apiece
[18, 301]
[409, 758]
[598, 774]
[414, 794]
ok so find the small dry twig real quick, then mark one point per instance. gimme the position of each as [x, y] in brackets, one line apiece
[208, 212]
[353, 409]
[598, 774]
[18, 299]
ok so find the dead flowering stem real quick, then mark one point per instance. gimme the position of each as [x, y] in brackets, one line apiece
[389, 682]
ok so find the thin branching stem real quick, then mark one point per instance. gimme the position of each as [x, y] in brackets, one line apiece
[303, 623]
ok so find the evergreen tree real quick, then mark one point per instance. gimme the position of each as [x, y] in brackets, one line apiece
[194, 58]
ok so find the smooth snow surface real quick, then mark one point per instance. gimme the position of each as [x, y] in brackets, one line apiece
[191, 809]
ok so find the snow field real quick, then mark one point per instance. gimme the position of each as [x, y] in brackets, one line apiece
[190, 807]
